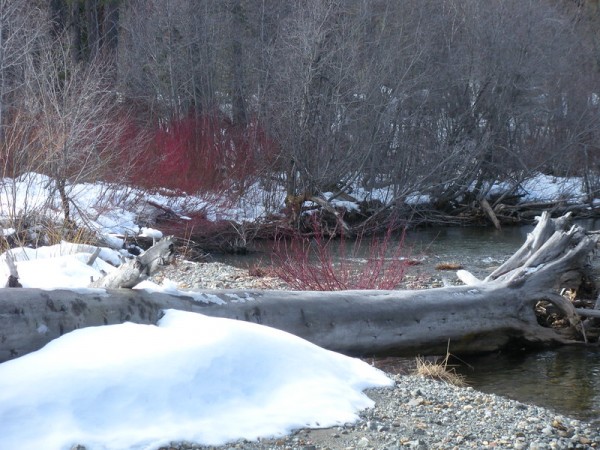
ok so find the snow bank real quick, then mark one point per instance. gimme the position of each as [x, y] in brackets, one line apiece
[192, 378]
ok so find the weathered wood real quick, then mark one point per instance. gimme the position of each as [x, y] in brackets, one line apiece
[485, 205]
[327, 207]
[353, 322]
[485, 316]
[94, 256]
[588, 312]
[13, 274]
[139, 268]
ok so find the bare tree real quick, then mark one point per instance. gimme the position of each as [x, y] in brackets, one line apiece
[91, 24]
[442, 98]
[77, 119]
[312, 95]
[21, 28]
[486, 101]
[170, 55]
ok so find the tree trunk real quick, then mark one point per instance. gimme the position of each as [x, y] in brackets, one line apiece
[111, 26]
[238, 100]
[485, 315]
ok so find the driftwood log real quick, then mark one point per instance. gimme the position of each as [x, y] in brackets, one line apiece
[484, 315]
[139, 268]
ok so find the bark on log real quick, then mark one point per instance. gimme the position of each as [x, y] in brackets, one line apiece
[485, 316]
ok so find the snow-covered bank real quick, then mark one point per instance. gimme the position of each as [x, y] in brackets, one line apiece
[112, 210]
[190, 378]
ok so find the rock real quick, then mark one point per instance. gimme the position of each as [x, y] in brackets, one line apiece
[416, 401]
[363, 442]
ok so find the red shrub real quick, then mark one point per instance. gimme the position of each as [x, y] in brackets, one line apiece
[132, 141]
[320, 263]
[203, 153]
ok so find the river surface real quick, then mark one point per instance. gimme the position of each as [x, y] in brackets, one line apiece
[566, 380]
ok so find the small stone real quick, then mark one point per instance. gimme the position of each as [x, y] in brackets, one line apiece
[417, 445]
[548, 431]
[416, 401]
[363, 442]
[537, 446]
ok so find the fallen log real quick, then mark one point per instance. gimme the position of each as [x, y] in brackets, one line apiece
[484, 316]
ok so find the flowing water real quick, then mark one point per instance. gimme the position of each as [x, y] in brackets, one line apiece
[566, 380]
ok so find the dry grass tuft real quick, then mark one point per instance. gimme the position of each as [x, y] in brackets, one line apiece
[439, 371]
[449, 266]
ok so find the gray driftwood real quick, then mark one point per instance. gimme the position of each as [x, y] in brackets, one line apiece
[139, 268]
[483, 316]
[13, 276]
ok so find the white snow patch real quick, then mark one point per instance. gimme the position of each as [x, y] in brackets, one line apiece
[170, 287]
[63, 265]
[235, 298]
[151, 233]
[190, 378]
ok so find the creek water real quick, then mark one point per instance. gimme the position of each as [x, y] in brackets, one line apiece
[566, 380]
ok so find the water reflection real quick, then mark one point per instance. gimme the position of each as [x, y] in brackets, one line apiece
[566, 380]
[471, 246]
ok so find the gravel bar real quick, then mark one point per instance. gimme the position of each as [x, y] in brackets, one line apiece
[421, 413]
[417, 413]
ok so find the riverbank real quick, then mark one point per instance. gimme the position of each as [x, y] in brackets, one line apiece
[416, 413]
[419, 413]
